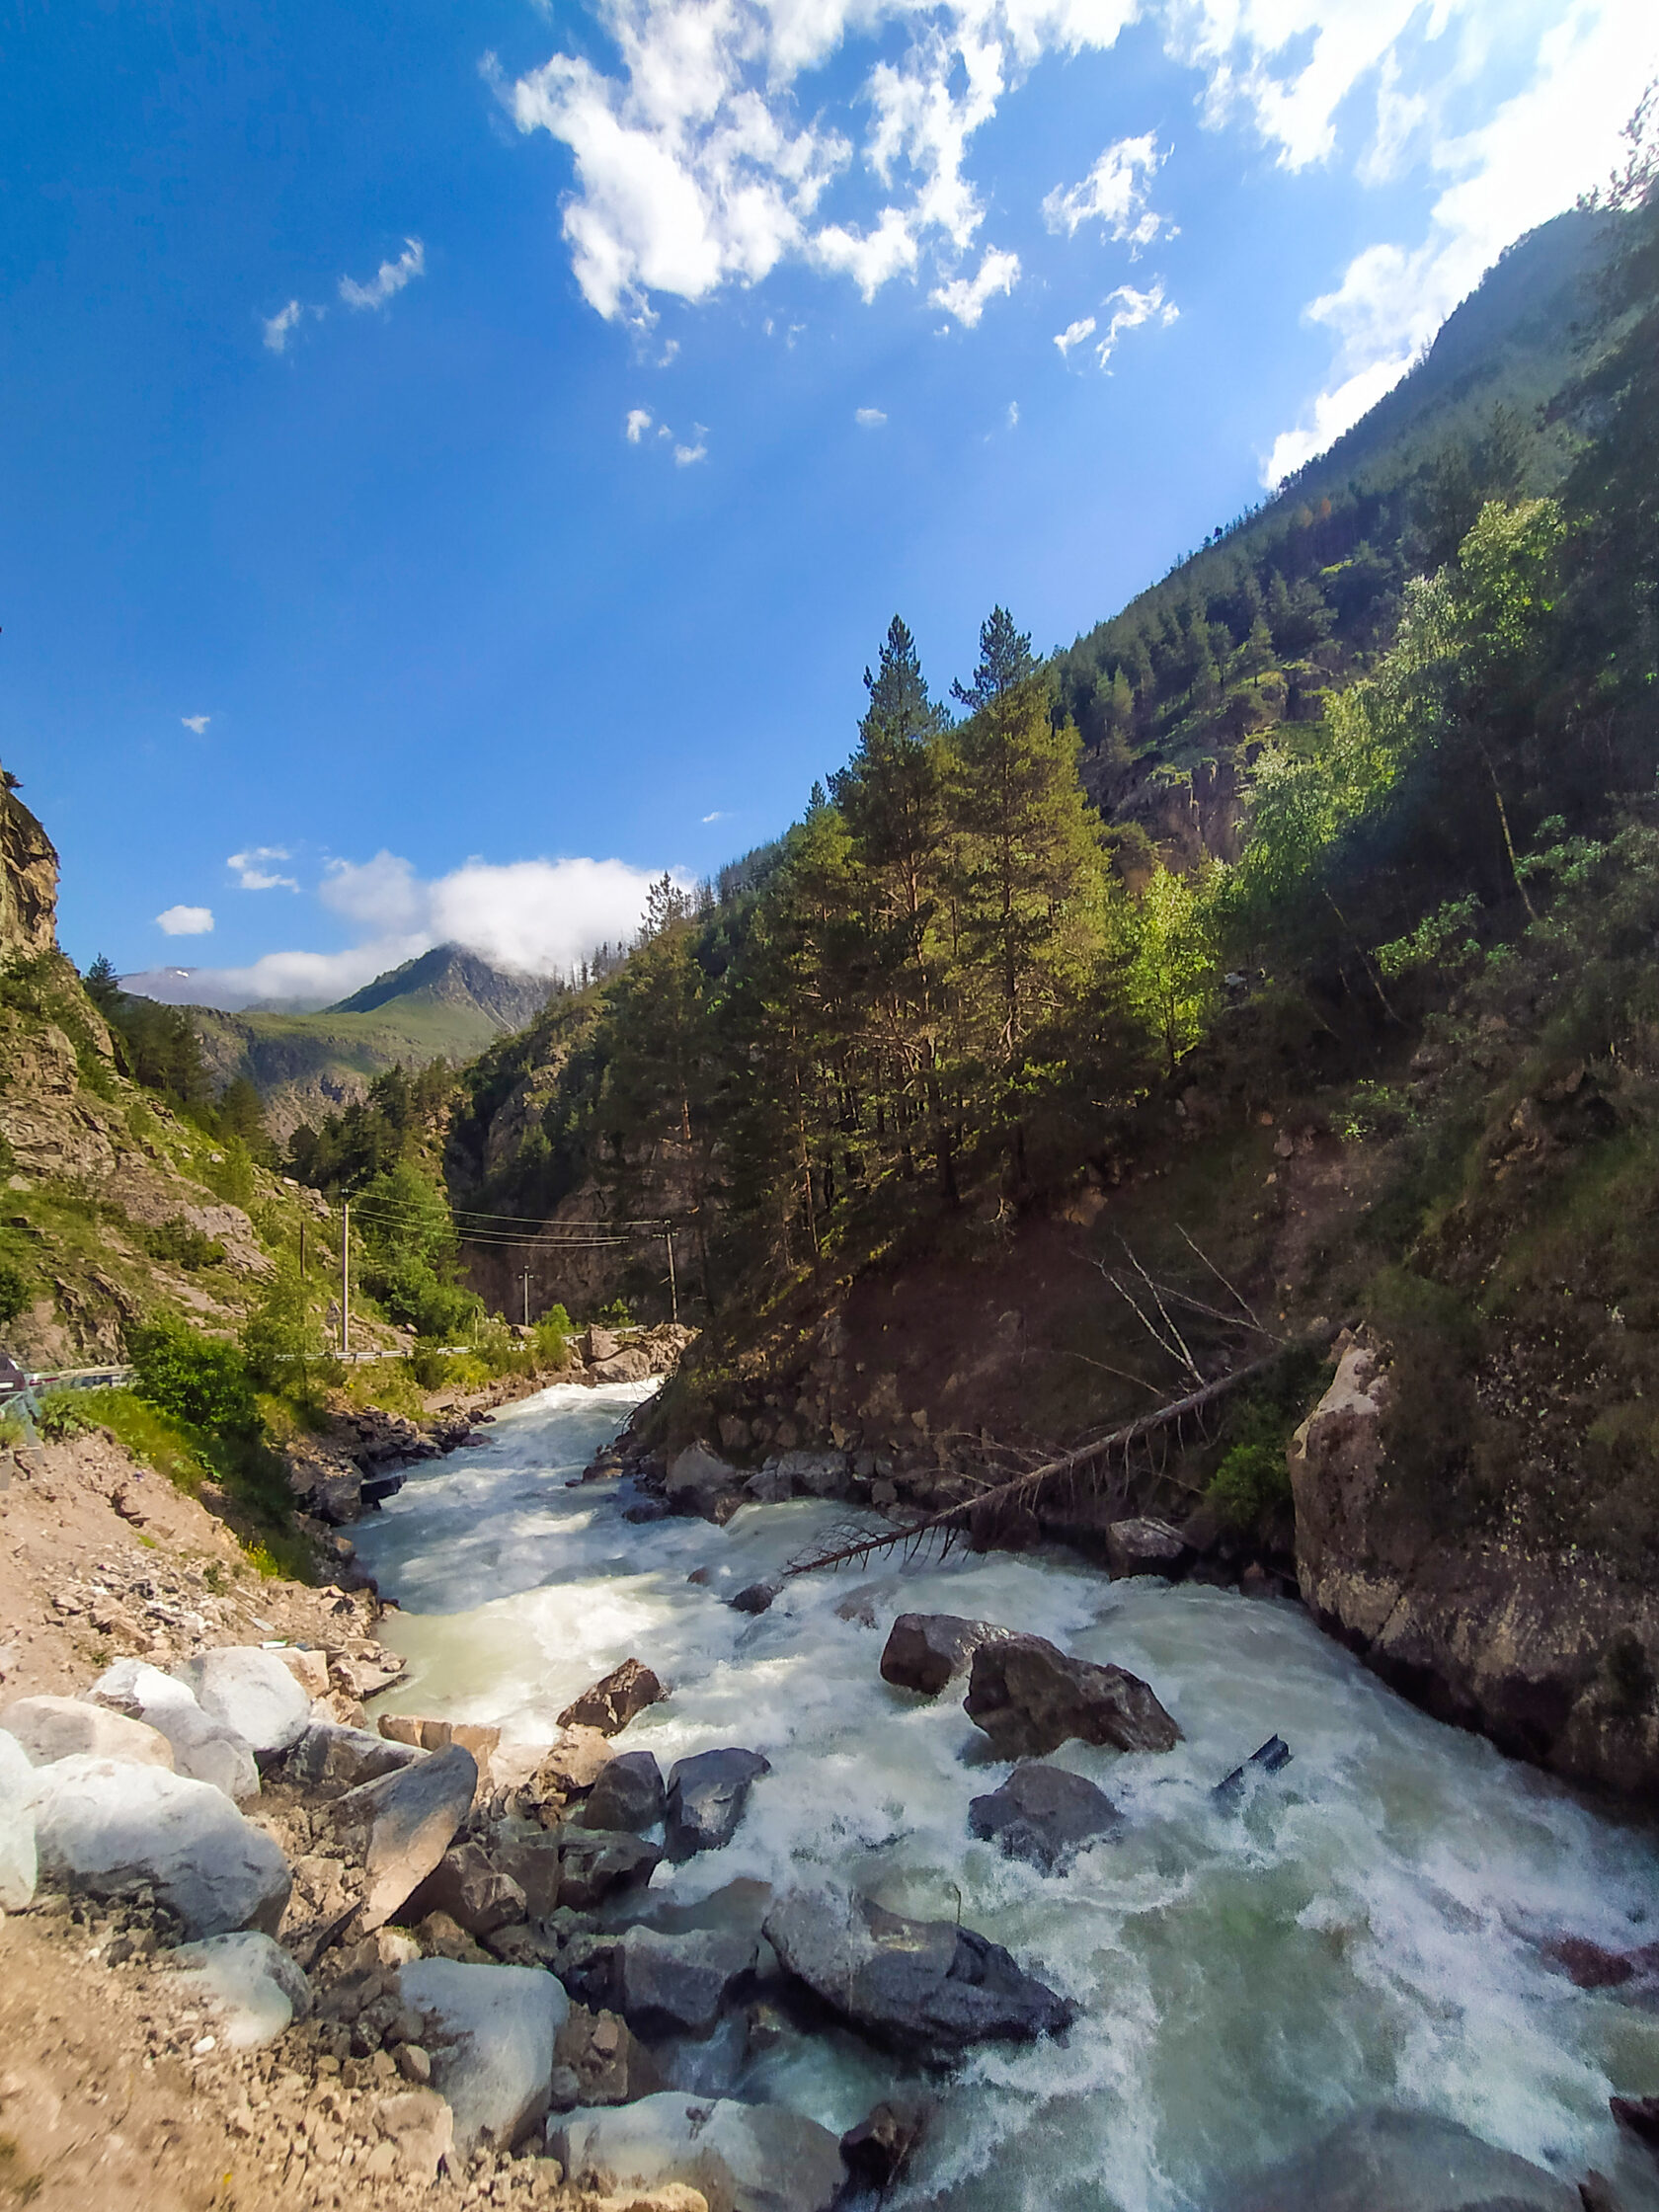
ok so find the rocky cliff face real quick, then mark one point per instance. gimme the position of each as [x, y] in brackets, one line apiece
[1545, 1651]
[27, 880]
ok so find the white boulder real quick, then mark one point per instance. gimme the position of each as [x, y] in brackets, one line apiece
[52, 1728]
[251, 1691]
[250, 1983]
[203, 1750]
[104, 1827]
[17, 1826]
[490, 2036]
[753, 2158]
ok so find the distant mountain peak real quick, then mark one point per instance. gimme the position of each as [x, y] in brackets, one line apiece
[450, 975]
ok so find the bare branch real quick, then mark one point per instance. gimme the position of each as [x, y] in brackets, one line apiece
[1187, 1361]
[1244, 1306]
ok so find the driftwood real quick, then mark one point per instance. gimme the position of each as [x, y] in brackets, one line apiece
[1022, 1488]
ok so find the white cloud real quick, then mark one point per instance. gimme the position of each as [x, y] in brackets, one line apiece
[1073, 335]
[717, 816]
[1114, 195]
[868, 417]
[382, 895]
[186, 921]
[389, 280]
[253, 872]
[966, 297]
[279, 328]
[1013, 414]
[686, 456]
[639, 421]
[1130, 309]
[196, 722]
[870, 258]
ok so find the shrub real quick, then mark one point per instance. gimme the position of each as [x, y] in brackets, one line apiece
[185, 1246]
[63, 1414]
[201, 1380]
[17, 1293]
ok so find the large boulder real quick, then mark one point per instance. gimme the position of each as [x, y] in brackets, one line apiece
[52, 1728]
[707, 1795]
[628, 1794]
[1405, 2162]
[528, 1855]
[678, 1985]
[1029, 1698]
[476, 1895]
[490, 2035]
[18, 1863]
[329, 1758]
[1044, 1814]
[697, 1475]
[106, 1827]
[592, 1861]
[1146, 1546]
[570, 1766]
[204, 1749]
[751, 2158]
[927, 1989]
[615, 1699]
[926, 1650]
[251, 1691]
[250, 1984]
[401, 1826]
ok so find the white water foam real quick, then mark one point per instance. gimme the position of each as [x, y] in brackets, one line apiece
[1363, 1932]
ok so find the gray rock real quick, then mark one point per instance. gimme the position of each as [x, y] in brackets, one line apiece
[1030, 1697]
[402, 1825]
[592, 1861]
[926, 1650]
[753, 2158]
[678, 1985]
[421, 2129]
[330, 1758]
[1044, 1814]
[699, 1472]
[249, 1983]
[18, 1863]
[615, 1700]
[815, 1474]
[51, 1728]
[530, 1854]
[103, 1827]
[204, 1749]
[490, 2036]
[628, 1795]
[251, 1691]
[707, 1795]
[1145, 1546]
[878, 2149]
[755, 1597]
[337, 1499]
[927, 1989]
[1404, 2162]
[476, 1895]
[770, 1486]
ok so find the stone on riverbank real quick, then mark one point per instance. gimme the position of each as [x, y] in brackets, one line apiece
[204, 1749]
[251, 1691]
[1044, 1814]
[248, 1982]
[927, 1989]
[18, 1863]
[490, 2033]
[678, 1985]
[402, 1825]
[475, 1894]
[1030, 1697]
[103, 1826]
[628, 1794]
[51, 1728]
[751, 2158]
[421, 2129]
[592, 1861]
[1146, 1546]
[924, 1650]
[707, 1795]
[615, 1700]
[327, 1758]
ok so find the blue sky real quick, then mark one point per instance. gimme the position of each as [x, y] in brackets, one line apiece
[462, 460]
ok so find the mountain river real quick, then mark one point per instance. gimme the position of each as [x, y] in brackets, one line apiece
[1365, 1932]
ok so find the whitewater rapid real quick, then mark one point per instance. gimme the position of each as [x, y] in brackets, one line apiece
[1364, 1934]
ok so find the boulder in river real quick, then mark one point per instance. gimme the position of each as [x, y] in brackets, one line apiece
[1403, 2162]
[628, 1794]
[204, 1749]
[1044, 1814]
[573, 1766]
[52, 1728]
[753, 2158]
[103, 1826]
[615, 1700]
[1030, 1697]
[17, 1864]
[755, 1597]
[592, 1861]
[251, 1691]
[476, 1895]
[678, 1985]
[698, 1473]
[707, 1793]
[927, 1989]
[490, 2033]
[878, 2149]
[1146, 1546]
[402, 1825]
[926, 1650]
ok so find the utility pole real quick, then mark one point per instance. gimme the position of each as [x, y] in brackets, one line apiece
[673, 1287]
[345, 1277]
[526, 1274]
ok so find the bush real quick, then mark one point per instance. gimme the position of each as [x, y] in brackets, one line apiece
[17, 1293]
[185, 1246]
[282, 1342]
[1252, 1483]
[149, 1435]
[63, 1414]
[201, 1380]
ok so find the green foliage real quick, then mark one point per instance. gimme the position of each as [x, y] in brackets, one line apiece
[282, 1341]
[185, 1246]
[63, 1414]
[409, 1250]
[199, 1380]
[1251, 1485]
[18, 1292]
[150, 1434]
[616, 1315]
[1430, 1425]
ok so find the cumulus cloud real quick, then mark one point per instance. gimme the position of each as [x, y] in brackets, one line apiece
[686, 456]
[535, 917]
[639, 421]
[1073, 335]
[252, 869]
[389, 280]
[868, 417]
[186, 921]
[1114, 195]
[279, 328]
[966, 297]
[1130, 309]
[196, 722]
